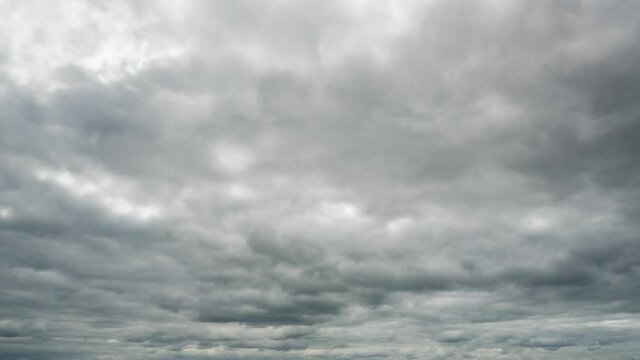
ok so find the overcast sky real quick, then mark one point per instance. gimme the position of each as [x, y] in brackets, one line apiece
[320, 179]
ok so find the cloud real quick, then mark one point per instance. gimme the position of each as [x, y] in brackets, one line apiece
[339, 180]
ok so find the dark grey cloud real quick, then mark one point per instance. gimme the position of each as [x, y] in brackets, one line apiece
[327, 180]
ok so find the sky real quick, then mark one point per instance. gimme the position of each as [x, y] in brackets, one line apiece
[254, 180]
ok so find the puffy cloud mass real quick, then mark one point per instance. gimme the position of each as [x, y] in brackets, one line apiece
[320, 180]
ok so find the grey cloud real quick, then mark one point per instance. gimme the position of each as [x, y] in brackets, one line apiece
[297, 311]
[339, 180]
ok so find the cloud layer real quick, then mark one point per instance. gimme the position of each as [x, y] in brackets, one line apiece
[319, 179]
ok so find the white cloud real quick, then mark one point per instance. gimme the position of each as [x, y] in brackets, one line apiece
[107, 191]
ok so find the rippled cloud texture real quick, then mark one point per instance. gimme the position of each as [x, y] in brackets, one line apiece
[320, 180]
